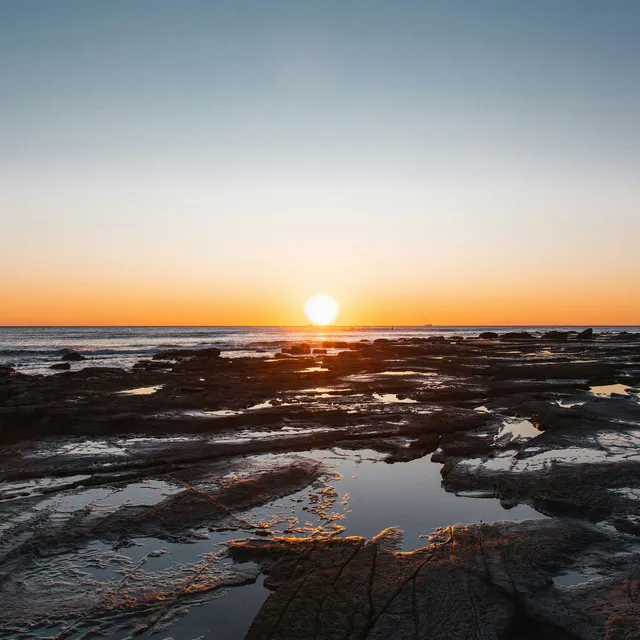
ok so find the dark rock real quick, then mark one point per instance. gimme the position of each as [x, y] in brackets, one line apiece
[101, 372]
[587, 334]
[151, 365]
[72, 356]
[464, 444]
[559, 336]
[333, 344]
[320, 352]
[488, 335]
[516, 335]
[281, 356]
[178, 354]
[61, 366]
[6, 370]
[301, 349]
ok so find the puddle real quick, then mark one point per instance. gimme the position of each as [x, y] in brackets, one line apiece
[91, 447]
[568, 405]
[225, 413]
[607, 390]
[227, 617]
[627, 492]
[78, 448]
[409, 496]
[613, 448]
[482, 409]
[516, 431]
[28, 488]
[261, 405]
[140, 391]
[312, 370]
[573, 578]
[147, 492]
[428, 374]
[392, 398]
[202, 413]
[249, 434]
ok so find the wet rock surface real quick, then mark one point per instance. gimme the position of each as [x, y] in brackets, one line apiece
[194, 450]
[476, 581]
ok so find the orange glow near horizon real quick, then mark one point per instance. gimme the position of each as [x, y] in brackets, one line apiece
[77, 304]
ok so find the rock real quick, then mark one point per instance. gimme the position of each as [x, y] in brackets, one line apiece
[281, 356]
[381, 341]
[329, 344]
[101, 372]
[464, 444]
[178, 354]
[6, 370]
[301, 349]
[587, 334]
[61, 366]
[195, 509]
[72, 356]
[320, 352]
[488, 335]
[151, 365]
[516, 335]
[559, 336]
[475, 581]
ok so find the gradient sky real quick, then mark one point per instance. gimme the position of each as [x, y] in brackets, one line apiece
[218, 162]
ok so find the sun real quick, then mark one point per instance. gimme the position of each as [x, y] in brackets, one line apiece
[321, 309]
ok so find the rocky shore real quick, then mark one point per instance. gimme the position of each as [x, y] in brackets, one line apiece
[236, 458]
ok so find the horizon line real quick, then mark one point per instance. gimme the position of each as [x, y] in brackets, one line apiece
[297, 326]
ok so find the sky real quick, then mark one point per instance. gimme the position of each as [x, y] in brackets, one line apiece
[219, 162]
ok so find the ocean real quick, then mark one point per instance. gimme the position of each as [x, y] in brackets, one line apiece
[35, 349]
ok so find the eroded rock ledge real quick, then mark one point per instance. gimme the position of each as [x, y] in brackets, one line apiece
[478, 581]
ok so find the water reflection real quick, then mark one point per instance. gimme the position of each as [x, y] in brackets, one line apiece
[141, 391]
[607, 390]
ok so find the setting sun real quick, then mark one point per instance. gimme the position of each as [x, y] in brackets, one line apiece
[321, 309]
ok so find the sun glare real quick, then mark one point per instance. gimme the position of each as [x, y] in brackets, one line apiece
[321, 309]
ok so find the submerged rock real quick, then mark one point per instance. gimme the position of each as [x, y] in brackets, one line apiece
[62, 366]
[177, 354]
[559, 336]
[301, 349]
[72, 356]
[516, 335]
